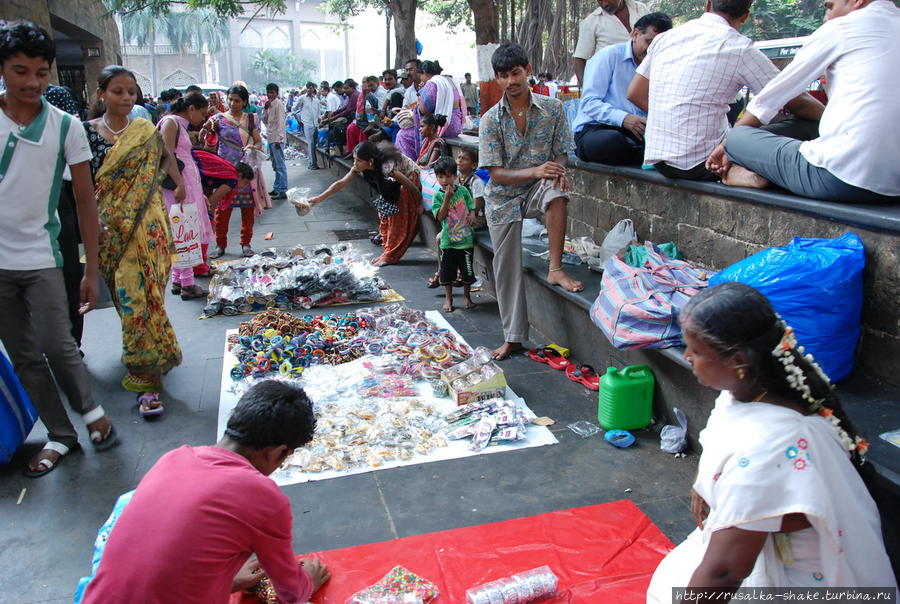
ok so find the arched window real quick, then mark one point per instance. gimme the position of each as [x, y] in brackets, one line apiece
[277, 38]
[250, 38]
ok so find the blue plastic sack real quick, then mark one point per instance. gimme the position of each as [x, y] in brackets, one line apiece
[816, 285]
[17, 416]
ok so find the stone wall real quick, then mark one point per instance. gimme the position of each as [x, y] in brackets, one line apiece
[716, 232]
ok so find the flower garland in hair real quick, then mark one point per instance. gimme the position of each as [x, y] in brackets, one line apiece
[797, 380]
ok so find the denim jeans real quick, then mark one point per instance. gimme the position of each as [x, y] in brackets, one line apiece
[311, 134]
[276, 152]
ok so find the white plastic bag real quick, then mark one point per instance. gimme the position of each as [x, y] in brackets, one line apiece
[618, 237]
[532, 228]
[186, 229]
[673, 439]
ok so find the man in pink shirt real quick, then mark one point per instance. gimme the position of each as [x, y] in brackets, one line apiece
[200, 512]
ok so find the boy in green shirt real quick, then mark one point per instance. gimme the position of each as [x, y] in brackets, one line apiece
[454, 207]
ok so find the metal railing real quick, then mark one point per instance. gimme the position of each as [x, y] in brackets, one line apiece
[143, 51]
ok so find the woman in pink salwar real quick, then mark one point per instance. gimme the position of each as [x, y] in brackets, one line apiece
[187, 111]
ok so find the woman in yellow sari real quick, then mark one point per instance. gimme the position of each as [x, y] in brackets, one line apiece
[129, 165]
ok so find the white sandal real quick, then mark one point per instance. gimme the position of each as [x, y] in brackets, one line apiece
[45, 465]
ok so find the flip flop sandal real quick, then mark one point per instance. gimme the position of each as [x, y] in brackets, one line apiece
[148, 398]
[218, 253]
[176, 289]
[247, 251]
[554, 359]
[584, 375]
[550, 357]
[45, 465]
[434, 282]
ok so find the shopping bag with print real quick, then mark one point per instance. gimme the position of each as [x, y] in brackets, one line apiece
[185, 223]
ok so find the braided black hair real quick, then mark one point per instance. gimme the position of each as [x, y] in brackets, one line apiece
[733, 317]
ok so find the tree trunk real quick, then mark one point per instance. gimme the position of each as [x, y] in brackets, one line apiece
[504, 23]
[530, 30]
[486, 23]
[487, 36]
[404, 12]
[512, 21]
[556, 55]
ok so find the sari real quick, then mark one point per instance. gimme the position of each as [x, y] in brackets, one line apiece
[233, 137]
[398, 231]
[137, 256]
[440, 96]
[762, 461]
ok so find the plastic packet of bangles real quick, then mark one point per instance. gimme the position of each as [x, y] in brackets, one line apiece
[484, 429]
[522, 588]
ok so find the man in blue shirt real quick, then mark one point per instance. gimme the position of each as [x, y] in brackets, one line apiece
[609, 128]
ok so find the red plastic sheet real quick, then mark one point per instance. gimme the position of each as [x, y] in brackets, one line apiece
[601, 553]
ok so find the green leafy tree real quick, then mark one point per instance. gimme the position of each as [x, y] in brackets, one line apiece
[266, 63]
[221, 8]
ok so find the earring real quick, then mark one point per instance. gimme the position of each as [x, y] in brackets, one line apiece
[741, 373]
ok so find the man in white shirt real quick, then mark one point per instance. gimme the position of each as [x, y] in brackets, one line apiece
[39, 141]
[333, 98]
[273, 116]
[611, 23]
[308, 114]
[688, 79]
[854, 158]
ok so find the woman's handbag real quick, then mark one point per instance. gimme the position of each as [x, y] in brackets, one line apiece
[385, 208]
[168, 183]
[636, 306]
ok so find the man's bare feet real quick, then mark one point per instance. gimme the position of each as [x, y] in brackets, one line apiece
[738, 176]
[379, 261]
[508, 348]
[563, 280]
[448, 306]
[469, 304]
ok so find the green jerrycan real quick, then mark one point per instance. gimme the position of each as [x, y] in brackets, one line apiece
[626, 398]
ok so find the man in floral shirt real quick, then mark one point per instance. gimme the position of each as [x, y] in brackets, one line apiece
[523, 141]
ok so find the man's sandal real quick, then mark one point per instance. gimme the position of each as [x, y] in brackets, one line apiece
[45, 466]
[145, 400]
[102, 441]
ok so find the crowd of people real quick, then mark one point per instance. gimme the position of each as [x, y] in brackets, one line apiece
[652, 93]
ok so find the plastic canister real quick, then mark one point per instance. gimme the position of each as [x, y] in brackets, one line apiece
[626, 398]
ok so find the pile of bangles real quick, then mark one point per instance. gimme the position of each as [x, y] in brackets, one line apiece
[278, 342]
[292, 281]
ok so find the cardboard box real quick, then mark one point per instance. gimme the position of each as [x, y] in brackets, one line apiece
[490, 388]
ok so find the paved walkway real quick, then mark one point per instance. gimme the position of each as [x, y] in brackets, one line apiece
[45, 543]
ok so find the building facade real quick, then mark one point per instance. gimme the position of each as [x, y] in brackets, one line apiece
[301, 42]
[87, 38]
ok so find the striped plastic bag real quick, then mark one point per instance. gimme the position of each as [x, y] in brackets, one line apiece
[17, 415]
[636, 306]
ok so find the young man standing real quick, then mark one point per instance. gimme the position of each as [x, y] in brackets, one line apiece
[523, 140]
[470, 94]
[308, 113]
[38, 142]
[201, 512]
[273, 116]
